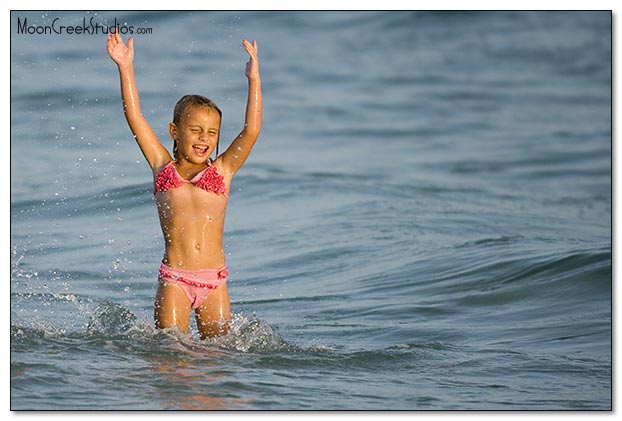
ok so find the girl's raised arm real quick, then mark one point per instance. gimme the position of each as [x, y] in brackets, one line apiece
[235, 156]
[156, 154]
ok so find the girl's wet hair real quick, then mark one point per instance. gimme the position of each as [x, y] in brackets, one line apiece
[188, 101]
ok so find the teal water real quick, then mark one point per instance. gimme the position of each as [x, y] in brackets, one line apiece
[424, 224]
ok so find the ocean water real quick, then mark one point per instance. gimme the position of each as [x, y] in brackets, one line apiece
[424, 223]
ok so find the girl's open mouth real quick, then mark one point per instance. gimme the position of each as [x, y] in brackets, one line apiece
[200, 149]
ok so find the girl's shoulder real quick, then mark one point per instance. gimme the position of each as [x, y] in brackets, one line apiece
[158, 169]
[220, 166]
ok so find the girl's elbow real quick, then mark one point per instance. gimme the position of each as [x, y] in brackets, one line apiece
[254, 133]
[250, 139]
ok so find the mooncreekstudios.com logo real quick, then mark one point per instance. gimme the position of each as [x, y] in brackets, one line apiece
[88, 27]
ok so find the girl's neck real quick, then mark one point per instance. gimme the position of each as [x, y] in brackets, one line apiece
[187, 164]
[189, 169]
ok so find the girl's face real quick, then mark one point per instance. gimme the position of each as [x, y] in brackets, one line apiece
[196, 135]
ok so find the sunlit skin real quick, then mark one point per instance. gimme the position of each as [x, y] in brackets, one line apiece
[192, 219]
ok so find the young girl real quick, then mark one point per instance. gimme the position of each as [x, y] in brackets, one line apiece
[191, 192]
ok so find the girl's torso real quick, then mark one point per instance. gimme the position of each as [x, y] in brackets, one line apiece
[192, 216]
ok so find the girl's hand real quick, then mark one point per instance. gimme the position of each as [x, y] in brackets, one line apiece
[252, 67]
[120, 53]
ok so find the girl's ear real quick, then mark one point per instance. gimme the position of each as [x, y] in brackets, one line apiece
[172, 130]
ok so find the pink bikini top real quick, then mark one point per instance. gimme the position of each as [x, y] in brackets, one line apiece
[209, 179]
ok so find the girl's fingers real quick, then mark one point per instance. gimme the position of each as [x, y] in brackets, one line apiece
[250, 47]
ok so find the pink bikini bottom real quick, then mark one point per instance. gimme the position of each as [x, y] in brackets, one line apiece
[197, 284]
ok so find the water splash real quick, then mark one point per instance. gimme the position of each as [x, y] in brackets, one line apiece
[249, 335]
[110, 318]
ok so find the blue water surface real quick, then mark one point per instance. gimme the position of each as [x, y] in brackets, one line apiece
[424, 223]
